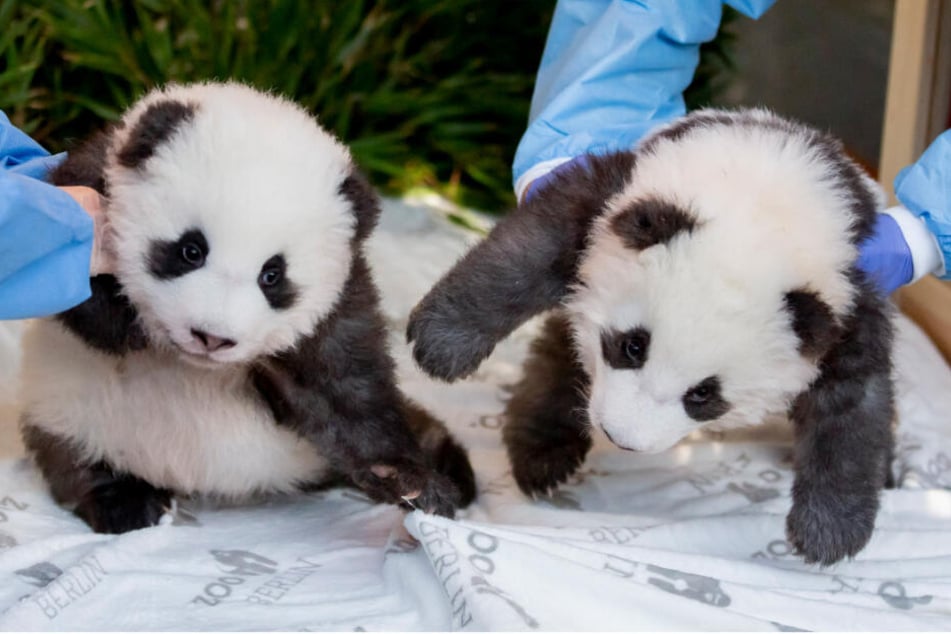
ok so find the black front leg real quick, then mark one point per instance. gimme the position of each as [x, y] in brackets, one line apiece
[337, 388]
[546, 425]
[524, 267]
[106, 321]
[109, 501]
[844, 441]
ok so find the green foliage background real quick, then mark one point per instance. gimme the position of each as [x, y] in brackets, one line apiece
[431, 93]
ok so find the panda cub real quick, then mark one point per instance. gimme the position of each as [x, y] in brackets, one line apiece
[239, 349]
[704, 279]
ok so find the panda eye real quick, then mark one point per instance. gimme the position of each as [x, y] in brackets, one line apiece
[278, 289]
[270, 277]
[700, 394]
[704, 401]
[168, 259]
[193, 254]
[626, 350]
[634, 348]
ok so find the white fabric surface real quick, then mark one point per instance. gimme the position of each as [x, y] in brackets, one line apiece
[689, 539]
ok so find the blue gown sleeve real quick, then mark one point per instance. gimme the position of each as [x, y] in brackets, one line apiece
[611, 71]
[45, 236]
[924, 188]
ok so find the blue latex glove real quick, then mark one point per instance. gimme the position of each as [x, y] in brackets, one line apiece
[886, 257]
[46, 238]
[612, 70]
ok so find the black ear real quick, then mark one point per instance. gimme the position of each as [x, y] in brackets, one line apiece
[85, 164]
[651, 221]
[156, 125]
[524, 267]
[363, 201]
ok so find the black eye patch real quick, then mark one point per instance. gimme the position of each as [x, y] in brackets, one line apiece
[704, 401]
[651, 221]
[625, 350]
[279, 291]
[169, 259]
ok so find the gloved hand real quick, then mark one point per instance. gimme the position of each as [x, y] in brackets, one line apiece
[886, 257]
[103, 259]
[900, 251]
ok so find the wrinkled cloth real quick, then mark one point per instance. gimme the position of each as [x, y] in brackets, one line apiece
[692, 538]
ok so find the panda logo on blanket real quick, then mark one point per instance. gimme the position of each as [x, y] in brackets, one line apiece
[703, 280]
[239, 349]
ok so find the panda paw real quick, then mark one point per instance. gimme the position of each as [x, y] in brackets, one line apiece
[539, 464]
[826, 527]
[409, 483]
[123, 505]
[443, 345]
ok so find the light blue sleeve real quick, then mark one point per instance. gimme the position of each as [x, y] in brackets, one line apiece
[45, 236]
[611, 71]
[924, 188]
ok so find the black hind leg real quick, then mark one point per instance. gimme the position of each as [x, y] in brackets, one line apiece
[107, 500]
[546, 427]
[844, 440]
[120, 502]
[442, 451]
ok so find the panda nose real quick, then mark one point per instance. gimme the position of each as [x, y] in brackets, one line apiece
[212, 343]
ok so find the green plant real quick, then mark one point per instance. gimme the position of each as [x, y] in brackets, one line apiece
[427, 93]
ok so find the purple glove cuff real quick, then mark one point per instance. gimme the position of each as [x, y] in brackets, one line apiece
[885, 256]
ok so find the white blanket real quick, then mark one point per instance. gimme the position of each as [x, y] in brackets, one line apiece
[689, 539]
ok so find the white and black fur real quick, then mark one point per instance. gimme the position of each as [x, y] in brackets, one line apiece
[703, 280]
[239, 348]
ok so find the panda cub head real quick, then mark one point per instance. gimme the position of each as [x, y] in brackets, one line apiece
[235, 217]
[717, 276]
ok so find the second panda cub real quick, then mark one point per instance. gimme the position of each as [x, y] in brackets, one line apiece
[239, 349]
[705, 279]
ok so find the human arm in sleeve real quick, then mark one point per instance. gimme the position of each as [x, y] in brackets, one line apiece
[46, 238]
[611, 71]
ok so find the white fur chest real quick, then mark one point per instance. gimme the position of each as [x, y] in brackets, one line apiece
[185, 428]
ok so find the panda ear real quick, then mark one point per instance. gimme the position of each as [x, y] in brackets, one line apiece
[154, 127]
[525, 266]
[363, 202]
[650, 221]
